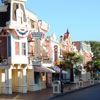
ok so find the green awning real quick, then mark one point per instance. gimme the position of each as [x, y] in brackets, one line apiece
[81, 70]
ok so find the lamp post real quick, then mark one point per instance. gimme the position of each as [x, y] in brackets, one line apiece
[61, 75]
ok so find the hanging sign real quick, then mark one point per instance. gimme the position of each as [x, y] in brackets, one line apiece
[39, 35]
[22, 33]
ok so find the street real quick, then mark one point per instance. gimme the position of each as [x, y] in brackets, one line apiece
[92, 93]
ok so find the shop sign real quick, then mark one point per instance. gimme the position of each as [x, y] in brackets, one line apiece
[22, 33]
[39, 35]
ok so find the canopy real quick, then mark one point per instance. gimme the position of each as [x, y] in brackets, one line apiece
[57, 69]
[97, 72]
[40, 69]
[43, 69]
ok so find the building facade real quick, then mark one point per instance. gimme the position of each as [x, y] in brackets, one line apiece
[85, 50]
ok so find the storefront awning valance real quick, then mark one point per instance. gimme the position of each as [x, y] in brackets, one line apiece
[57, 69]
[43, 69]
[64, 72]
[51, 70]
[40, 69]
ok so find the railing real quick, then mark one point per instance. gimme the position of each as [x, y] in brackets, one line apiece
[49, 60]
[38, 60]
[35, 60]
[4, 62]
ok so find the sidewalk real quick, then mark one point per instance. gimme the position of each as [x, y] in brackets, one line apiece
[44, 94]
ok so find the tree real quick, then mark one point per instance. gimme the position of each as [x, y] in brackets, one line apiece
[89, 67]
[95, 47]
[69, 60]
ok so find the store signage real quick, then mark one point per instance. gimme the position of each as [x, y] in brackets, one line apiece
[22, 33]
[37, 35]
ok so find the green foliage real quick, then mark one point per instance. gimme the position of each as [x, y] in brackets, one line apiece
[70, 59]
[97, 66]
[95, 47]
[89, 67]
[77, 70]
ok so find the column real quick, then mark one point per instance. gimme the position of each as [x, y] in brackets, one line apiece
[19, 80]
[24, 82]
[37, 47]
[8, 73]
[30, 79]
[0, 81]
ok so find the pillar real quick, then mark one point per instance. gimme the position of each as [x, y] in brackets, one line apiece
[8, 87]
[0, 81]
[30, 79]
[24, 82]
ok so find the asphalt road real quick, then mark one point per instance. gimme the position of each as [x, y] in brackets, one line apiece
[92, 93]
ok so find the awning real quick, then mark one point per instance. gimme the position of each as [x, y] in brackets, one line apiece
[64, 72]
[43, 69]
[51, 70]
[80, 70]
[40, 69]
[57, 69]
[97, 72]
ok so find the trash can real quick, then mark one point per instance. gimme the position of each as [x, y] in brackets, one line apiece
[92, 80]
[80, 83]
[56, 87]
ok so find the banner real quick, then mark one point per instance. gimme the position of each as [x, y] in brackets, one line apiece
[22, 33]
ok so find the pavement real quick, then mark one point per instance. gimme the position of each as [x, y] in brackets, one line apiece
[46, 94]
[92, 93]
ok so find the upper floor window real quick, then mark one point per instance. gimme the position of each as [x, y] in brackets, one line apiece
[16, 48]
[24, 49]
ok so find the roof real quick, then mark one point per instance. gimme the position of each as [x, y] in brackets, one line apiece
[66, 34]
[77, 44]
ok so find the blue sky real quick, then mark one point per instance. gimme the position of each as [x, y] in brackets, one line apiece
[81, 17]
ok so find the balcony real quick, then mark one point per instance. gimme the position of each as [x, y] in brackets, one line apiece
[48, 60]
[36, 60]
[3, 62]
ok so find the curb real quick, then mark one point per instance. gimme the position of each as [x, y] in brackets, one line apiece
[72, 91]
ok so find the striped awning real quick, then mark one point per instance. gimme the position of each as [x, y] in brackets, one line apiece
[43, 69]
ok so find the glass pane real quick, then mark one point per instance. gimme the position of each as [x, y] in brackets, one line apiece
[16, 48]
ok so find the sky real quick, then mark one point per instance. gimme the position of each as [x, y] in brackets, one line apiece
[81, 17]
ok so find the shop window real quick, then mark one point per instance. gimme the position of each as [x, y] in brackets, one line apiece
[16, 48]
[31, 52]
[37, 76]
[24, 49]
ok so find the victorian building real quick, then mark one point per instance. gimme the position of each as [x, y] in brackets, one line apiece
[13, 47]
[84, 49]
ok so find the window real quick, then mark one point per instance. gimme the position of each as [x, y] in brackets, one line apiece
[55, 53]
[16, 48]
[23, 48]
[37, 77]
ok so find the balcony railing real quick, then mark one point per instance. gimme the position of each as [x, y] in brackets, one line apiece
[35, 60]
[4, 62]
[49, 60]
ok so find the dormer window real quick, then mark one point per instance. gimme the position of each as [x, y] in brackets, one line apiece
[19, 14]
